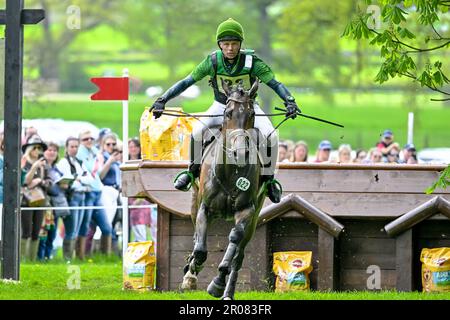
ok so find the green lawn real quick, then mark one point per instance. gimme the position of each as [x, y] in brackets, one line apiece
[364, 118]
[102, 279]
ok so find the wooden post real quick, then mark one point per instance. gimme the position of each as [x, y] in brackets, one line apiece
[13, 128]
[163, 250]
[328, 275]
[14, 18]
[413, 217]
[404, 246]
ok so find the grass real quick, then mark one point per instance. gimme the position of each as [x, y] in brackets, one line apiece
[365, 117]
[101, 279]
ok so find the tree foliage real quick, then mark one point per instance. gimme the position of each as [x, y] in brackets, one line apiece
[310, 31]
[401, 46]
[443, 182]
[56, 34]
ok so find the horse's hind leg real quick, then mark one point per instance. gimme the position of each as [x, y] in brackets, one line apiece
[199, 254]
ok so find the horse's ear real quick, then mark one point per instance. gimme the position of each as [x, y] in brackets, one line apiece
[253, 89]
[226, 86]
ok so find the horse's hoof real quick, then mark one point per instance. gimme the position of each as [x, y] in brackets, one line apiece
[227, 298]
[189, 281]
[216, 290]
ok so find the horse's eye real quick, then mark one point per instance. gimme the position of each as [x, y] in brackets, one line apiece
[229, 113]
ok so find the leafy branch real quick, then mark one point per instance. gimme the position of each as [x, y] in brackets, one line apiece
[443, 181]
[396, 41]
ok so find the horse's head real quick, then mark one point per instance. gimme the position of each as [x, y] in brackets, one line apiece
[239, 112]
[239, 116]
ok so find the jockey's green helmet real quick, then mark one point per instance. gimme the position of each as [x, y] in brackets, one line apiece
[230, 30]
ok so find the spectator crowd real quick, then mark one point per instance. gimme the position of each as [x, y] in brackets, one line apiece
[384, 151]
[79, 187]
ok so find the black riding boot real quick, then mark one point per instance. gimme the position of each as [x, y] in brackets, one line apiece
[274, 189]
[185, 179]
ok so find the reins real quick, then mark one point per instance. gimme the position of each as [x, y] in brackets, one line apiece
[198, 116]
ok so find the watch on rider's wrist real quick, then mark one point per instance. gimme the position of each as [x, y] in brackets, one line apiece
[290, 99]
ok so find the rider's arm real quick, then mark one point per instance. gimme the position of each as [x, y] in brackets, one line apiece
[178, 88]
[266, 75]
[281, 90]
[200, 71]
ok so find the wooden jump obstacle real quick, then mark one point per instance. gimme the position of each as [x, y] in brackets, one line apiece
[352, 217]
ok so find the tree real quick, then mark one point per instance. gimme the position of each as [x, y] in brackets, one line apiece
[61, 27]
[401, 47]
[174, 31]
[310, 31]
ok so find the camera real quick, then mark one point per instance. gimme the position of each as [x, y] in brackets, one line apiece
[116, 151]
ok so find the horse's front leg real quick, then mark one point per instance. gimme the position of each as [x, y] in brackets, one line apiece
[249, 226]
[200, 252]
[237, 235]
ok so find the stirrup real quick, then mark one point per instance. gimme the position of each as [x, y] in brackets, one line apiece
[190, 176]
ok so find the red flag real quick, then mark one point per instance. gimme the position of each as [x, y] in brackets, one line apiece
[111, 88]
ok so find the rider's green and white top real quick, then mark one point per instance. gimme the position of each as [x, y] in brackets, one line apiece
[246, 68]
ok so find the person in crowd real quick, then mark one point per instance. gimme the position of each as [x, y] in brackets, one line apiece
[345, 153]
[387, 143]
[134, 149]
[323, 151]
[87, 154]
[36, 176]
[282, 152]
[140, 218]
[290, 150]
[393, 156]
[360, 156]
[413, 159]
[107, 165]
[55, 191]
[101, 134]
[375, 156]
[28, 133]
[300, 152]
[70, 166]
[408, 151]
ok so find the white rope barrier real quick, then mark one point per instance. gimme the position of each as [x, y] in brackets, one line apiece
[86, 207]
[71, 208]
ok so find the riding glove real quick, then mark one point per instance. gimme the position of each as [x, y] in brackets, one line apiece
[158, 107]
[292, 109]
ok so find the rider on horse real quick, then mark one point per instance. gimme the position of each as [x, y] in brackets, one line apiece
[234, 65]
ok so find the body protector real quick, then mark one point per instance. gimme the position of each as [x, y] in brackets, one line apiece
[240, 72]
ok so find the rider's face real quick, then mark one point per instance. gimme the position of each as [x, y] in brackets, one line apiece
[230, 48]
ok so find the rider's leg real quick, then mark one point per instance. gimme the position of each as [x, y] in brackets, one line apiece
[184, 180]
[270, 146]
